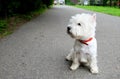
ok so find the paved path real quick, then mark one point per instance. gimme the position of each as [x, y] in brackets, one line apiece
[38, 49]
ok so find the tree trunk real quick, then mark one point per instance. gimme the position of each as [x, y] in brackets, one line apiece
[110, 2]
[104, 2]
[119, 3]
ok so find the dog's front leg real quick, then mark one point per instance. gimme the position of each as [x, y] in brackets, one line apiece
[70, 55]
[93, 65]
[75, 63]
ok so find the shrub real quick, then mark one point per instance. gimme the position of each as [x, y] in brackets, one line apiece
[47, 2]
[3, 26]
[12, 7]
[69, 2]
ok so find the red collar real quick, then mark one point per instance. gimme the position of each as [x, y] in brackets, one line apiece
[85, 41]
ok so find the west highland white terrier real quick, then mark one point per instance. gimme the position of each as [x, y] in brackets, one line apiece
[82, 29]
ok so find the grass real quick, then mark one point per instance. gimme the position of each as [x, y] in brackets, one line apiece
[107, 10]
[8, 25]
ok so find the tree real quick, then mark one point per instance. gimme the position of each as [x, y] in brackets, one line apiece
[118, 3]
[11, 7]
[105, 2]
[92, 2]
[110, 2]
[47, 2]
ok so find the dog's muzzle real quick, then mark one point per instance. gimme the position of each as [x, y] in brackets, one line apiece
[68, 30]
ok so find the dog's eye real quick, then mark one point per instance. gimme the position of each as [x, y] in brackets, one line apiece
[79, 24]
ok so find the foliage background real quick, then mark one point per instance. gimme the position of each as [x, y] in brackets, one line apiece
[14, 13]
[11, 7]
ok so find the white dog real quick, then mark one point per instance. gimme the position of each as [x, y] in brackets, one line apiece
[82, 29]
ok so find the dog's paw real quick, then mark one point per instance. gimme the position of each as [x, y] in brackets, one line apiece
[68, 58]
[74, 66]
[83, 60]
[94, 70]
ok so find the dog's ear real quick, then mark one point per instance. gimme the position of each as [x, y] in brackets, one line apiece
[94, 17]
[73, 17]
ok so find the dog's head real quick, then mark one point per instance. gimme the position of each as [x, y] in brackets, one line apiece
[82, 26]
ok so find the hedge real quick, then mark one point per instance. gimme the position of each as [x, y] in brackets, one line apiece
[11, 7]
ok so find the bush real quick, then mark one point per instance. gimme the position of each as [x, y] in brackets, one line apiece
[3, 26]
[69, 2]
[47, 2]
[12, 7]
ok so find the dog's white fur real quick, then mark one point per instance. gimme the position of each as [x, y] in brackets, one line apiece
[82, 27]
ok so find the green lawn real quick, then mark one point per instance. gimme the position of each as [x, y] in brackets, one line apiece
[106, 10]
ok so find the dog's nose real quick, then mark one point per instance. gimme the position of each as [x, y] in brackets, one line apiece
[68, 28]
